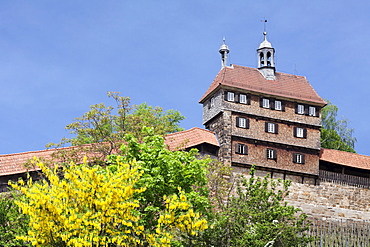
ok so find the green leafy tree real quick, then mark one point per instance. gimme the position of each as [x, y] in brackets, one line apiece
[101, 130]
[257, 215]
[164, 172]
[98, 206]
[12, 221]
[335, 134]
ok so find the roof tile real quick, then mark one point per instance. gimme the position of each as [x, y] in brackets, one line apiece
[285, 85]
[345, 158]
[11, 164]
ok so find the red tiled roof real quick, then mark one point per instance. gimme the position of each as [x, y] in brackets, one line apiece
[345, 158]
[14, 163]
[285, 85]
[190, 138]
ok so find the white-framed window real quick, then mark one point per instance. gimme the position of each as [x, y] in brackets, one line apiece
[212, 102]
[271, 128]
[278, 105]
[270, 153]
[241, 148]
[243, 99]
[300, 109]
[242, 122]
[299, 132]
[298, 158]
[265, 103]
[230, 96]
[312, 111]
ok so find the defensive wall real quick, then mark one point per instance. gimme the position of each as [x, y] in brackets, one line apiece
[325, 200]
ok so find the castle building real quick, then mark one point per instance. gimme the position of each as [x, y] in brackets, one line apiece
[266, 118]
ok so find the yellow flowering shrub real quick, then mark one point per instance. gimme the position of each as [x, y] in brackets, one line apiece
[179, 219]
[79, 205]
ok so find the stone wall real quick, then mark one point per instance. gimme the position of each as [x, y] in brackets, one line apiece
[284, 158]
[326, 200]
[331, 201]
[285, 133]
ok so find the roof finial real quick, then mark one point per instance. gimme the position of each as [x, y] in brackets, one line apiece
[224, 50]
[264, 25]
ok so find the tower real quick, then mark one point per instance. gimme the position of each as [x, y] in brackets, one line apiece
[266, 58]
[265, 118]
[224, 51]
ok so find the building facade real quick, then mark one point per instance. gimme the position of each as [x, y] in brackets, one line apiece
[265, 118]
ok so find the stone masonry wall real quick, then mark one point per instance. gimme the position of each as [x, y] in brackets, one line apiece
[326, 200]
[285, 133]
[284, 160]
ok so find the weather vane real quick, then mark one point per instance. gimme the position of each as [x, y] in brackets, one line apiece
[264, 24]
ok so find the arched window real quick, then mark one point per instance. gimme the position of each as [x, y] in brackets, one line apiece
[262, 60]
[268, 59]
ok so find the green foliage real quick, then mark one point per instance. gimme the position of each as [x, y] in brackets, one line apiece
[335, 133]
[256, 215]
[12, 221]
[164, 172]
[103, 128]
[98, 206]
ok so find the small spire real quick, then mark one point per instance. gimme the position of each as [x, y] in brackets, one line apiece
[265, 43]
[224, 51]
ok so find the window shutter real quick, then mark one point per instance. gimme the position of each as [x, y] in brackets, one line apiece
[303, 161]
[294, 158]
[295, 131]
[261, 101]
[247, 123]
[272, 104]
[245, 149]
[237, 121]
[276, 128]
[267, 153]
[306, 112]
[236, 97]
[283, 105]
[225, 95]
[274, 156]
[266, 126]
[236, 148]
[304, 133]
[296, 108]
[248, 99]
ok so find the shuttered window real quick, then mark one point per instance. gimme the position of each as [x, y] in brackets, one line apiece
[271, 154]
[298, 158]
[271, 127]
[300, 132]
[241, 148]
[242, 122]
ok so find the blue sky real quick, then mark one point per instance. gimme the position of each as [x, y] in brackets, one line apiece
[59, 57]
